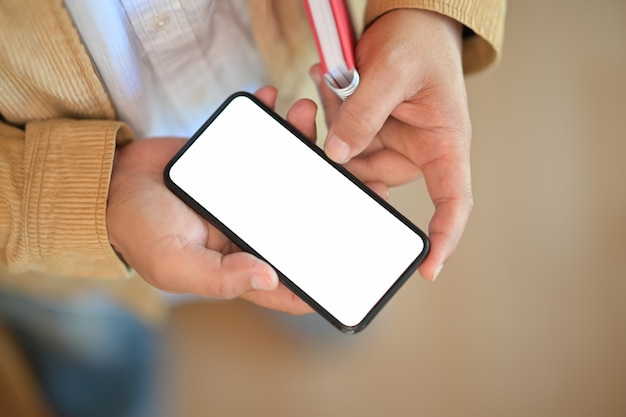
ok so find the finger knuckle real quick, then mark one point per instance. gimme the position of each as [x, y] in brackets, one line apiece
[361, 125]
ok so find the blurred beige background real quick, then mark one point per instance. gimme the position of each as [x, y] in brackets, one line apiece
[528, 318]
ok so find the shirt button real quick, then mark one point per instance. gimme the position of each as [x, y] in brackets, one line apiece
[197, 96]
[160, 22]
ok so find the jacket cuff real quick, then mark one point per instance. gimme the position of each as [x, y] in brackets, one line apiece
[67, 170]
[485, 18]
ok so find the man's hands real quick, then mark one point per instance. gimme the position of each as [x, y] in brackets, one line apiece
[175, 249]
[409, 117]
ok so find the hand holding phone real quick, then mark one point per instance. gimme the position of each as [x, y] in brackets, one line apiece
[331, 240]
[170, 245]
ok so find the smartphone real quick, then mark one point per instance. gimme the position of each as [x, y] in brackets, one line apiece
[332, 241]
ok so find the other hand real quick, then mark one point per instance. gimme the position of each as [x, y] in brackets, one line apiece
[409, 117]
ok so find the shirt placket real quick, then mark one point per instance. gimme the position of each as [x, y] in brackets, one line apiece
[169, 43]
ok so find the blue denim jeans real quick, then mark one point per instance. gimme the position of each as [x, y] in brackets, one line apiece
[92, 357]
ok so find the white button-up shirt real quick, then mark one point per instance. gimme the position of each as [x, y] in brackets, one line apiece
[167, 64]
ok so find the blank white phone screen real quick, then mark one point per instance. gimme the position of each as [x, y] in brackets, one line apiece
[321, 231]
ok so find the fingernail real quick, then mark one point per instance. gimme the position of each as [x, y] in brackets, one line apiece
[265, 283]
[437, 271]
[337, 150]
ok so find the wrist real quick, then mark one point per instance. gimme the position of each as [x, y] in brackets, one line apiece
[434, 23]
[414, 38]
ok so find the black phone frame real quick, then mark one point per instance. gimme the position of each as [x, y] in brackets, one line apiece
[244, 246]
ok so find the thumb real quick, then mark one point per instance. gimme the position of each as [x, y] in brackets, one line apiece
[205, 272]
[241, 272]
[359, 118]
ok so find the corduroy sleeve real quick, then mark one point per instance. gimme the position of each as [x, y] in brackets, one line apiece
[483, 18]
[54, 177]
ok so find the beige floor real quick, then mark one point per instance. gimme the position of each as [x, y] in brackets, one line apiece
[528, 319]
